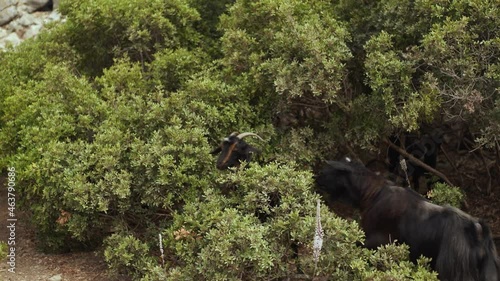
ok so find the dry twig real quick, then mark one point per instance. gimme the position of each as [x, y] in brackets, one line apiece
[417, 161]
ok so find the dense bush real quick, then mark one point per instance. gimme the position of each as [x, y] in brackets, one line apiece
[109, 118]
[443, 194]
[103, 30]
[246, 230]
[3, 250]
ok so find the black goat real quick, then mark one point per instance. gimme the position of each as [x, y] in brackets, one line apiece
[233, 150]
[460, 246]
[424, 148]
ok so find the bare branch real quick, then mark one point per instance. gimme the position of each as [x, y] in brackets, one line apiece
[417, 161]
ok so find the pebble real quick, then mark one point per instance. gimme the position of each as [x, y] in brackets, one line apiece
[32, 31]
[12, 39]
[57, 277]
[3, 33]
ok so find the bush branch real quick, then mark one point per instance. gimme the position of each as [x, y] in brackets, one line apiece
[417, 161]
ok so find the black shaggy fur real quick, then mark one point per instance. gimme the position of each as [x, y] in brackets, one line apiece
[461, 246]
[425, 148]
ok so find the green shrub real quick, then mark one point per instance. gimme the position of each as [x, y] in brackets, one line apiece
[106, 29]
[390, 78]
[127, 254]
[109, 118]
[246, 231]
[3, 250]
[443, 194]
[124, 150]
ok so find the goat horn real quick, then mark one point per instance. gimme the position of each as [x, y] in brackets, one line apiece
[246, 134]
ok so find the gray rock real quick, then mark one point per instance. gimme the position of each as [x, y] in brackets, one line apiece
[3, 33]
[54, 16]
[57, 277]
[13, 26]
[39, 17]
[12, 39]
[34, 5]
[55, 4]
[26, 20]
[32, 31]
[7, 14]
[6, 3]
[19, 21]
[22, 9]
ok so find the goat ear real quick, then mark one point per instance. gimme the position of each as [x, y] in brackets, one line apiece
[216, 150]
[340, 166]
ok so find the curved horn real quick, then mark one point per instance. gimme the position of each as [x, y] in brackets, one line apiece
[233, 134]
[246, 134]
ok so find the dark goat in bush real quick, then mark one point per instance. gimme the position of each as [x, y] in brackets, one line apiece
[460, 246]
[425, 148]
[233, 150]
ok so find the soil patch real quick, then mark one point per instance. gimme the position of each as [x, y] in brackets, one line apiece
[32, 265]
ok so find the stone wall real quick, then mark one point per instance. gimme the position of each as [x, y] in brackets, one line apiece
[23, 19]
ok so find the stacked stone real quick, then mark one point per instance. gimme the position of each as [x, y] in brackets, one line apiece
[23, 19]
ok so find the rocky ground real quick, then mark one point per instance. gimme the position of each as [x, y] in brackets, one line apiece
[23, 19]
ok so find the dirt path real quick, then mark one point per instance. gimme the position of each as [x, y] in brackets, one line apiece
[32, 265]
